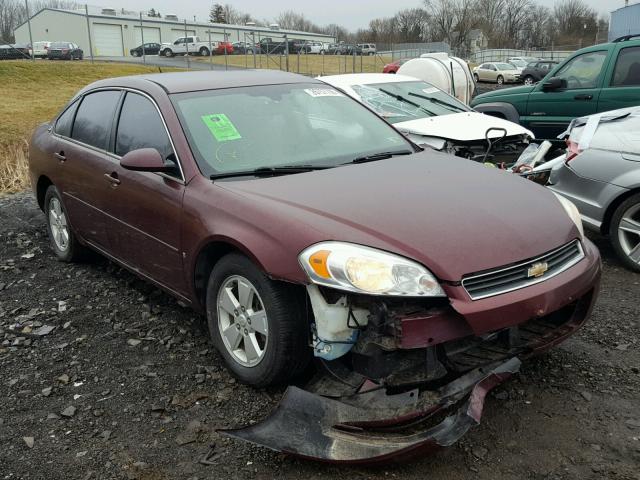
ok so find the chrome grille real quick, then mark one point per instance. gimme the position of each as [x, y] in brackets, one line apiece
[508, 279]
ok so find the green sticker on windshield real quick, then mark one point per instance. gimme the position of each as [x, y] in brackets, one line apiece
[221, 127]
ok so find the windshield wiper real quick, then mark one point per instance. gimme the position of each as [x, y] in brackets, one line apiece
[380, 156]
[455, 108]
[269, 171]
[406, 100]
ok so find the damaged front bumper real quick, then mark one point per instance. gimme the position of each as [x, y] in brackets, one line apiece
[374, 427]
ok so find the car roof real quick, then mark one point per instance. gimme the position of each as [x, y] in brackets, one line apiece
[180, 82]
[349, 79]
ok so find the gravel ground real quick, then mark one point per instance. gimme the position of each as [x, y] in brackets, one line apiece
[104, 376]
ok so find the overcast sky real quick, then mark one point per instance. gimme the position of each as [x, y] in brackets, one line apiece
[351, 14]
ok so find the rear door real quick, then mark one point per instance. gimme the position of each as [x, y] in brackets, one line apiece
[145, 208]
[82, 153]
[549, 112]
[622, 84]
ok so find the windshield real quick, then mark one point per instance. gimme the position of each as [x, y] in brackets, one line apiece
[517, 62]
[59, 45]
[246, 128]
[503, 66]
[404, 101]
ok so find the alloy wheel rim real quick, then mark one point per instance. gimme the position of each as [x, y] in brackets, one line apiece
[59, 225]
[629, 233]
[242, 321]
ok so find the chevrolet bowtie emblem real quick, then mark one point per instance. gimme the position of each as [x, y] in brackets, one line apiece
[537, 269]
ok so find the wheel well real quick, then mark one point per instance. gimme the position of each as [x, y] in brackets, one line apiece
[207, 258]
[606, 221]
[43, 184]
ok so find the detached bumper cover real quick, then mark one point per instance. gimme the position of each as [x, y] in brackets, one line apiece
[372, 427]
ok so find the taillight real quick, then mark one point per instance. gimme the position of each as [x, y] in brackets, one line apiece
[572, 150]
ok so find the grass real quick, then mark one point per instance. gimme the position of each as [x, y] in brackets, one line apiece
[306, 64]
[32, 93]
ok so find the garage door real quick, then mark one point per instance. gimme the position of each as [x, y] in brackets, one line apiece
[151, 35]
[177, 33]
[107, 40]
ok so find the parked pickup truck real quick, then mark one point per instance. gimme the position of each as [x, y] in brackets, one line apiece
[191, 45]
[592, 80]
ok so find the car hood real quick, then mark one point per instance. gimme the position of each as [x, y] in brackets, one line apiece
[504, 91]
[453, 216]
[463, 127]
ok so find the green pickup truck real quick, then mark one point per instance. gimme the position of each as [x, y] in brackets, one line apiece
[594, 79]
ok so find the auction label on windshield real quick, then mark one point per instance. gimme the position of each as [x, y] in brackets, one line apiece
[221, 127]
[323, 92]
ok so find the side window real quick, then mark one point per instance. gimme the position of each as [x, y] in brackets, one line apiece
[627, 72]
[65, 121]
[94, 118]
[584, 70]
[140, 126]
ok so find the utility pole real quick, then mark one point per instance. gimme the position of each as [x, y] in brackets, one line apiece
[86, 14]
[144, 57]
[26, 6]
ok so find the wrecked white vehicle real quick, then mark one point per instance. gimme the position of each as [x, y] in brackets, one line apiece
[431, 117]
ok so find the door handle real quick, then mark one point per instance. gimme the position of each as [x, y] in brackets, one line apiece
[583, 96]
[60, 156]
[113, 178]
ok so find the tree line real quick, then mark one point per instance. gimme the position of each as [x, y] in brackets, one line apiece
[504, 23]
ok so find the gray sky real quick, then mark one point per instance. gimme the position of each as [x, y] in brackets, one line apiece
[351, 14]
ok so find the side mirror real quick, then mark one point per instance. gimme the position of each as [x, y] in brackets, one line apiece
[554, 83]
[144, 160]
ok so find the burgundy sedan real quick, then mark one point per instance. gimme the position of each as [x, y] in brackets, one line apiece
[317, 238]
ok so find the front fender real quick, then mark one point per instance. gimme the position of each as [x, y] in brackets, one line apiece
[499, 109]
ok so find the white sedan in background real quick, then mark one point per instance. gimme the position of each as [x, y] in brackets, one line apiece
[429, 116]
[496, 72]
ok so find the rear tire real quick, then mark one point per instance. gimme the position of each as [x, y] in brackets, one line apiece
[626, 240]
[135, 54]
[253, 357]
[204, 52]
[476, 77]
[500, 80]
[63, 241]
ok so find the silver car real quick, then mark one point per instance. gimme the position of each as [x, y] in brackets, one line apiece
[601, 175]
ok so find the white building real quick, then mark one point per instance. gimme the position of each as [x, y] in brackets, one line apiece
[114, 33]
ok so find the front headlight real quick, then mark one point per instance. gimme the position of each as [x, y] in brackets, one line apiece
[356, 268]
[572, 211]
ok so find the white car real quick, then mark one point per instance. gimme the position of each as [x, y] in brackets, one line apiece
[429, 116]
[187, 45]
[368, 48]
[498, 72]
[40, 49]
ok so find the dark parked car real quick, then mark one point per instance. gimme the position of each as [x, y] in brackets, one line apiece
[64, 51]
[245, 48]
[14, 52]
[187, 180]
[536, 71]
[146, 49]
[345, 49]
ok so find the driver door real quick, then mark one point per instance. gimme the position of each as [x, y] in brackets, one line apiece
[549, 112]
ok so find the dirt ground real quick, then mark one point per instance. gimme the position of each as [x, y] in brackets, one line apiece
[102, 376]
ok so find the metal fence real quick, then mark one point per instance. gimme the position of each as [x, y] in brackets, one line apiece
[399, 51]
[501, 55]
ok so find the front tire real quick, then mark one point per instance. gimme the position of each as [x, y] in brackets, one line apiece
[528, 80]
[625, 232]
[257, 324]
[168, 53]
[476, 77]
[63, 241]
